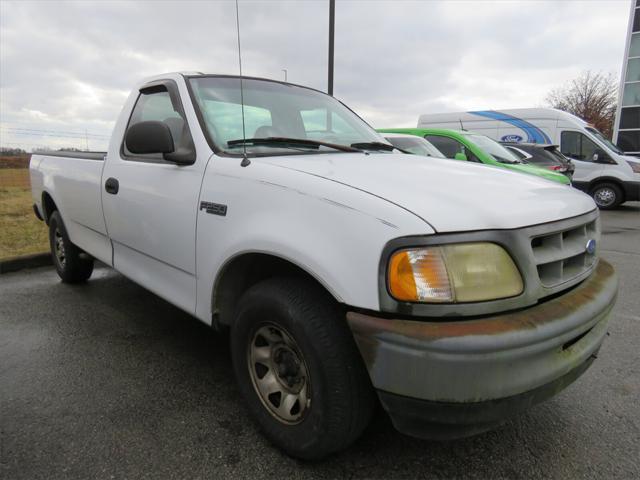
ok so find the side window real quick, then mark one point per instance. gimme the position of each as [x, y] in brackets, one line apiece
[470, 156]
[576, 145]
[448, 146]
[157, 106]
[570, 144]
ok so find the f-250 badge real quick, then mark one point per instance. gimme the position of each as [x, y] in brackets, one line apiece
[214, 208]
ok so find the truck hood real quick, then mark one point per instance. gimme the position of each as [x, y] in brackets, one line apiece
[449, 195]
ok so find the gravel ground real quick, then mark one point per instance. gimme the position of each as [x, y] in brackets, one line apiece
[106, 380]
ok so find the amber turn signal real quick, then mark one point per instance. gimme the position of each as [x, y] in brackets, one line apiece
[465, 272]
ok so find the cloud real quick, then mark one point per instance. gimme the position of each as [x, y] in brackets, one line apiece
[68, 66]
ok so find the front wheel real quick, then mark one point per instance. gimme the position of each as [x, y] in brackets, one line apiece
[298, 368]
[607, 195]
[72, 264]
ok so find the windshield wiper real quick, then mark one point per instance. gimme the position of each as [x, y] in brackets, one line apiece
[286, 141]
[374, 146]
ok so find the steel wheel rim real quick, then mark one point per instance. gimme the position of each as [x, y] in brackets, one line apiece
[58, 245]
[279, 374]
[605, 196]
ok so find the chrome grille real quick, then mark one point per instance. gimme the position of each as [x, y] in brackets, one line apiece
[562, 255]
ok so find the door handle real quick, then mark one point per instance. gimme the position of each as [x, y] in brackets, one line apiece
[112, 186]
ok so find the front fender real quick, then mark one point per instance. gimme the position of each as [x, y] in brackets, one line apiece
[333, 232]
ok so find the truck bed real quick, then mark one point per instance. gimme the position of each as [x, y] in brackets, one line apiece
[76, 177]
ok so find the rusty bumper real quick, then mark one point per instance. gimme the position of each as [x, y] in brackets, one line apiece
[492, 358]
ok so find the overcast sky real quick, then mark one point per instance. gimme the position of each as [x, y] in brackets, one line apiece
[68, 66]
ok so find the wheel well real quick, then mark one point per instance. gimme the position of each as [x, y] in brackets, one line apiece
[244, 271]
[48, 206]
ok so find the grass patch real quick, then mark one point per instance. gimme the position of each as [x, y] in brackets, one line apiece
[21, 233]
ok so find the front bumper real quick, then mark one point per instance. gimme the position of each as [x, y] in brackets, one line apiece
[512, 360]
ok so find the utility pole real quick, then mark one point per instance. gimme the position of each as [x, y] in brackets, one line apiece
[332, 21]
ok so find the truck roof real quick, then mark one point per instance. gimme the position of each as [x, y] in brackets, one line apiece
[195, 74]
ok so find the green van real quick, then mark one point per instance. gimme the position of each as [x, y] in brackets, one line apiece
[474, 147]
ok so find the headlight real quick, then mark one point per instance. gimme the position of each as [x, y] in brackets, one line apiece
[464, 272]
[635, 166]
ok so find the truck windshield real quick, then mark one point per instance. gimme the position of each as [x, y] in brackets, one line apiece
[604, 140]
[493, 148]
[277, 110]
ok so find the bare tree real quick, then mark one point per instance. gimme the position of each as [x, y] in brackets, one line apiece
[592, 96]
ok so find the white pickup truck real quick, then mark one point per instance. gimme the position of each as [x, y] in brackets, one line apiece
[458, 295]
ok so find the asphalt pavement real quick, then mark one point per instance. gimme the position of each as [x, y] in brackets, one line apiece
[106, 380]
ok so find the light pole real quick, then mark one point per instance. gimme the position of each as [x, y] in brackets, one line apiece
[332, 21]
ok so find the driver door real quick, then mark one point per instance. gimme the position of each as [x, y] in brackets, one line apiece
[151, 204]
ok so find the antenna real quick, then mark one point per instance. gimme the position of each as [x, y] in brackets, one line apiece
[332, 23]
[245, 161]
[461, 125]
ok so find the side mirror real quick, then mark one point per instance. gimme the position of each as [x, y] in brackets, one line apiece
[149, 137]
[155, 137]
[601, 157]
[460, 156]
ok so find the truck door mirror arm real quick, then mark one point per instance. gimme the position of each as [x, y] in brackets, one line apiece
[182, 156]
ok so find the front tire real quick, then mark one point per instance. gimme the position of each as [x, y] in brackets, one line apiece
[607, 195]
[72, 264]
[298, 368]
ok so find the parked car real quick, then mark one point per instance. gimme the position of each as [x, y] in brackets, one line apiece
[457, 294]
[473, 147]
[412, 144]
[601, 168]
[542, 155]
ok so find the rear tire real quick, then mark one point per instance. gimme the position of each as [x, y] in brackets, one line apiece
[298, 368]
[72, 264]
[607, 195]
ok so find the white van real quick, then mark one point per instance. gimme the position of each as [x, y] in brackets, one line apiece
[601, 168]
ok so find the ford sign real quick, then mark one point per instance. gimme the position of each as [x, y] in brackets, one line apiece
[511, 138]
[591, 247]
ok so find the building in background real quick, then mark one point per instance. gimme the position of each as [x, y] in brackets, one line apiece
[626, 130]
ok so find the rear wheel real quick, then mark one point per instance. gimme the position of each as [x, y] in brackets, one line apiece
[607, 195]
[72, 264]
[298, 368]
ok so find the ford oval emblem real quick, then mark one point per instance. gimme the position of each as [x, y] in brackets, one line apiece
[512, 138]
[591, 247]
